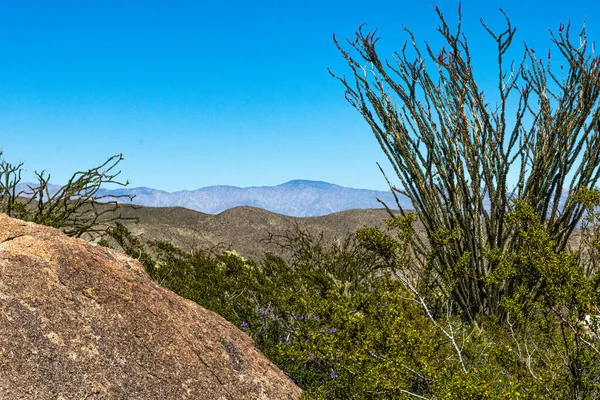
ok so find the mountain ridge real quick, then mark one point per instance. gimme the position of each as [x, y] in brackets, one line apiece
[296, 198]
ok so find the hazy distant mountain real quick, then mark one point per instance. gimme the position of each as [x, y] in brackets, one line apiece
[298, 198]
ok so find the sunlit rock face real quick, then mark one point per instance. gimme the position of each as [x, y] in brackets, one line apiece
[83, 322]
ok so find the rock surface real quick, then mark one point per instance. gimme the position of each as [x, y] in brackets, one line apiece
[83, 322]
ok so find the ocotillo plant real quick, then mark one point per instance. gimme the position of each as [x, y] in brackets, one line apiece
[453, 150]
[75, 207]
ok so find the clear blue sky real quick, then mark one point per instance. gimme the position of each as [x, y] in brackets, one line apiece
[199, 93]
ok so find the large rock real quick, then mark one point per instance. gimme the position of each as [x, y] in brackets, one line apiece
[83, 322]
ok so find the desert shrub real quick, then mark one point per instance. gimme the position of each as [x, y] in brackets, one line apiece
[546, 340]
[75, 207]
[343, 322]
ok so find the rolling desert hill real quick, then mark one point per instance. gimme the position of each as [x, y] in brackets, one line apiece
[243, 229]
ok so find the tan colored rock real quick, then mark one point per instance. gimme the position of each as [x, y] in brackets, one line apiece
[83, 322]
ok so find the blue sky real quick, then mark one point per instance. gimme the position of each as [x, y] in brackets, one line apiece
[199, 93]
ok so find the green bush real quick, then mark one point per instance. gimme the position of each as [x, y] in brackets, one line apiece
[343, 322]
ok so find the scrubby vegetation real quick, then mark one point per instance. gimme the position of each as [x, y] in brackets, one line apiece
[350, 320]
